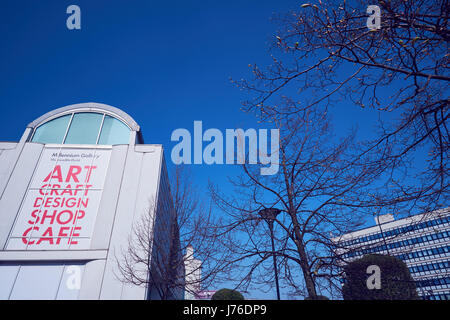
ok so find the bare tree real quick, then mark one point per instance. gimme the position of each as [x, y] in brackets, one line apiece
[322, 188]
[155, 255]
[326, 54]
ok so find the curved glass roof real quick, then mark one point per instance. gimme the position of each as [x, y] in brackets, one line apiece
[83, 127]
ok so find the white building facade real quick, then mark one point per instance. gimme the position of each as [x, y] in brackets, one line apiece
[193, 272]
[71, 191]
[421, 241]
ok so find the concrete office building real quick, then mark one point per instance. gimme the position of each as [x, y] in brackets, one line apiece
[70, 192]
[421, 241]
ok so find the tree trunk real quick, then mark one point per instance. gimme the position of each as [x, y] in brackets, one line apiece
[309, 281]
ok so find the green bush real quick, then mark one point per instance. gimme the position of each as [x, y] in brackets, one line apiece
[396, 281]
[227, 294]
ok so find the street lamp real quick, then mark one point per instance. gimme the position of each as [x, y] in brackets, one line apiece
[269, 215]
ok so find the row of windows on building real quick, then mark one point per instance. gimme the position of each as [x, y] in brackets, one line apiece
[430, 267]
[445, 281]
[398, 231]
[424, 253]
[399, 244]
[441, 296]
[83, 128]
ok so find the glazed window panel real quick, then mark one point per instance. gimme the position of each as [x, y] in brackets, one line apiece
[84, 128]
[52, 131]
[114, 132]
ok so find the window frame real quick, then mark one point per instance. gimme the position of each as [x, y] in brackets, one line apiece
[72, 113]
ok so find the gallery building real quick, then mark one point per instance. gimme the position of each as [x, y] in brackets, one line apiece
[422, 241]
[71, 191]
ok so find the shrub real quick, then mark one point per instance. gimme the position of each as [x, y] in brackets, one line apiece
[396, 281]
[227, 294]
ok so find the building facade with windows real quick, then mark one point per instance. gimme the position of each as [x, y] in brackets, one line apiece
[421, 241]
[71, 191]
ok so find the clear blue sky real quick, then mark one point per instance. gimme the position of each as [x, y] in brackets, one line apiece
[166, 63]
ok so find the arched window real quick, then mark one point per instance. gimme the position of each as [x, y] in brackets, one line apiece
[83, 128]
[113, 132]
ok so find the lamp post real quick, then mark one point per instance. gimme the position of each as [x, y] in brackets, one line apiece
[269, 215]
